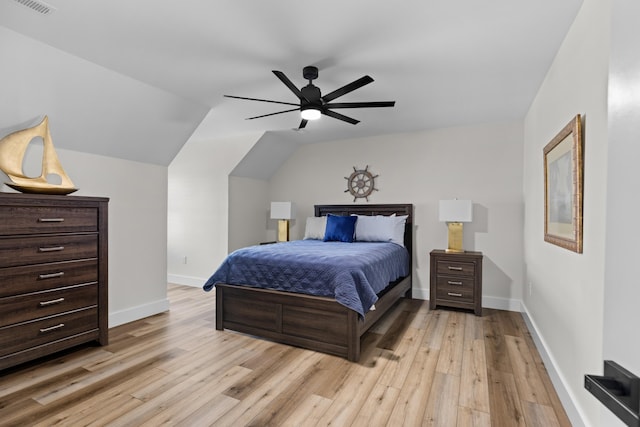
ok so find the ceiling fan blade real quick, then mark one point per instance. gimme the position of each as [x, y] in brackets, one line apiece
[258, 99]
[361, 104]
[284, 79]
[347, 88]
[303, 124]
[273, 114]
[340, 116]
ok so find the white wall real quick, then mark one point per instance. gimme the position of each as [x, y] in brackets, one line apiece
[482, 163]
[137, 226]
[411, 169]
[198, 207]
[565, 303]
[622, 288]
[249, 216]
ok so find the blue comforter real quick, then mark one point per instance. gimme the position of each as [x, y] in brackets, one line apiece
[352, 273]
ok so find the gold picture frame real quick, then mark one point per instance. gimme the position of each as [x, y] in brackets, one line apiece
[563, 177]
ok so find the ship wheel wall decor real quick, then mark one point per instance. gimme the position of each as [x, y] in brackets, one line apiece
[361, 183]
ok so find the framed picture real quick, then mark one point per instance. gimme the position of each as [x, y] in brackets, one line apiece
[563, 169]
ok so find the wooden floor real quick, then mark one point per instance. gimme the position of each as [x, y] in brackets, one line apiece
[418, 367]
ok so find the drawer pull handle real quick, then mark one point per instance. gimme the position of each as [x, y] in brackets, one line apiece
[51, 249]
[52, 328]
[51, 302]
[50, 219]
[51, 275]
[451, 282]
[454, 294]
[455, 268]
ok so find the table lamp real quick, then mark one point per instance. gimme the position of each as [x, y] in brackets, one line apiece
[454, 213]
[283, 212]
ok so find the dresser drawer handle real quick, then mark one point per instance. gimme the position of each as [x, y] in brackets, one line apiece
[455, 268]
[51, 249]
[451, 282]
[50, 219]
[51, 275]
[454, 294]
[51, 302]
[52, 328]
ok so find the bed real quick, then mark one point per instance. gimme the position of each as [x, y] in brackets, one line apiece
[318, 323]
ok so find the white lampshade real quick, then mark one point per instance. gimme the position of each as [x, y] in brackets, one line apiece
[283, 210]
[456, 210]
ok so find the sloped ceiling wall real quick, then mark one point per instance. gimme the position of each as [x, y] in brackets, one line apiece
[91, 108]
[266, 156]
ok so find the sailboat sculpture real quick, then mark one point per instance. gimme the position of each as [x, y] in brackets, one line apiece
[12, 150]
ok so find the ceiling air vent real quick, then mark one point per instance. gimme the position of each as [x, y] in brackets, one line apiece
[37, 6]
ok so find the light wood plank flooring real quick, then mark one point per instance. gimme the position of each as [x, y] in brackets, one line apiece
[418, 368]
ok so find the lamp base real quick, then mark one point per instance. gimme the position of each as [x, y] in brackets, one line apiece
[455, 237]
[283, 230]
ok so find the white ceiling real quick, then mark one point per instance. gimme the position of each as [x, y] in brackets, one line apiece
[444, 62]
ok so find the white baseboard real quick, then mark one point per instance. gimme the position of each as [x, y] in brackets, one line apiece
[196, 282]
[558, 380]
[498, 303]
[420, 294]
[139, 312]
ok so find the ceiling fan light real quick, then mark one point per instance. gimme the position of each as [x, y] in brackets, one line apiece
[310, 113]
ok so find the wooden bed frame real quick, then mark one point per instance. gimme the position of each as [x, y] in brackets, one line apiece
[316, 323]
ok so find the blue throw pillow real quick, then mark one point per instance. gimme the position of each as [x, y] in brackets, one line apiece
[340, 228]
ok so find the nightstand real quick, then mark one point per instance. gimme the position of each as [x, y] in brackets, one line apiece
[456, 280]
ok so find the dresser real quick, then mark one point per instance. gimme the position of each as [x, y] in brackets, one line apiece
[456, 280]
[53, 274]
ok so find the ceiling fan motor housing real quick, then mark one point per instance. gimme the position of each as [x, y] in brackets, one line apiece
[310, 72]
[312, 94]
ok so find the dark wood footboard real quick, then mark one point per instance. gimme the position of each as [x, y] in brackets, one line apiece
[307, 321]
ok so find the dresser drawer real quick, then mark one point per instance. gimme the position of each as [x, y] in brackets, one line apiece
[456, 267]
[42, 277]
[455, 294]
[16, 220]
[27, 307]
[42, 249]
[26, 335]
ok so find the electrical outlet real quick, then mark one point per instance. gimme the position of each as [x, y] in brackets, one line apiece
[184, 260]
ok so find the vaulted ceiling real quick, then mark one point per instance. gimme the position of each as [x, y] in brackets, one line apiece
[137, 79]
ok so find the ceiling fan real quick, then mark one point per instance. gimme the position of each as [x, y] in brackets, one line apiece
[312, 104]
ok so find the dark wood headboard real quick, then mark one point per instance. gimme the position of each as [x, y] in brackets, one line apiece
[362, 209]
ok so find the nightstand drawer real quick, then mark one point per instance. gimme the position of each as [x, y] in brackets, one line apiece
[27, 307]
[455, 282]
[38, 250]
[455, 294]
[456, 267]
[16, 220]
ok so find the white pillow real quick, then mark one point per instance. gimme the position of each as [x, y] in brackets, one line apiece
[314, 228]
[373, 228]
[381, 228]
[397, 233]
